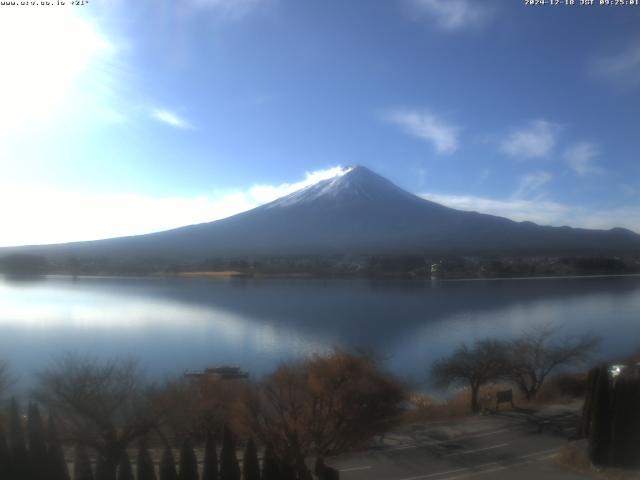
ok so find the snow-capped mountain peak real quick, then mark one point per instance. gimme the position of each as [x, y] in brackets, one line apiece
[352, 184]
[356, 212]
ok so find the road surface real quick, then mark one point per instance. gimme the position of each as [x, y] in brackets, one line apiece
[511, 445]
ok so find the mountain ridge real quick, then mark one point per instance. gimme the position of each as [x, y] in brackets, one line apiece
[357, 212]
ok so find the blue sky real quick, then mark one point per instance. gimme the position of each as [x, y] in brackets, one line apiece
[123, 117]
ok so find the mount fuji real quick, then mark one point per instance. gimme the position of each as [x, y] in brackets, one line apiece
[358, 212]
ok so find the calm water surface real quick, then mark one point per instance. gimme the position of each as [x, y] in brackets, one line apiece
[172, 325]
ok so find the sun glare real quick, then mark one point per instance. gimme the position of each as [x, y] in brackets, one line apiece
[43, 52]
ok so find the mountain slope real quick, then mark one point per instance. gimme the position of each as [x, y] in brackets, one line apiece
[358, 212]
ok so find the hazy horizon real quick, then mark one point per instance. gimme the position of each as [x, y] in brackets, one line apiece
[273, 193]
[123, 119]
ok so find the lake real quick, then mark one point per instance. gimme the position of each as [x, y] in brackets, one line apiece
[172, 325]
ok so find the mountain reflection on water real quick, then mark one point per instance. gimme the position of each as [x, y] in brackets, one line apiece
[172, 324]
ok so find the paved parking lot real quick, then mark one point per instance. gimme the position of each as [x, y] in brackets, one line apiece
[508, 445]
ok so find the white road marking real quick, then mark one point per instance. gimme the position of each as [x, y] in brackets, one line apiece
[454, 439]
[488, 470]
[542, 452]
[466, 452]
[437, 474]
[471, 470]
[421, 477]
[412, 445]
[486, 434]
[496, 469]
[355, 469]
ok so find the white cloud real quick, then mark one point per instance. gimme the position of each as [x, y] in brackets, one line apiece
[43, 215]
[451, 15]
[170, 118]
[531, 184]
[428, 127]
[581, 158]
[267, 193]
[623, 67]
[536, 140]
[543, 212]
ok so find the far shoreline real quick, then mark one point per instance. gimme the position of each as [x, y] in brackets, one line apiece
[231, 275]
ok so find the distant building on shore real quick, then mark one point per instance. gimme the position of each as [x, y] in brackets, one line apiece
[435, 270]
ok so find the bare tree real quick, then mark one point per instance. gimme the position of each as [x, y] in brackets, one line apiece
[190, 408]
[324, 405]
[102, 405]
[472, 366]
[534, 355]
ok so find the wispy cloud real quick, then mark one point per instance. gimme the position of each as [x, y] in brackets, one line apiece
[544, 212]
[536, 140]
[532, 184]
[453, 15]
[581, 157]
[427, 126]
[72, 216]
[170, 118]
[623, 67]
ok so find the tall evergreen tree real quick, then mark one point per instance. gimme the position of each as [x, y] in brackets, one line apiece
[625, 425]
[103, 472]
[270, 470]
[56, 462]
[18, 454]
[37, 444]
[601, 416]
[287, 471]
[168, 465]
[587, 407]
[250, 466]
[124, 467]
[229, 468]
[81, 465]
[319, 466]
[4, 454]
[188, 463]
[210, 468]
[145, 469]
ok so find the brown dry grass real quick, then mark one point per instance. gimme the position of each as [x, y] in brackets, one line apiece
[562, 389]
[574, 456]
[425, 408]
